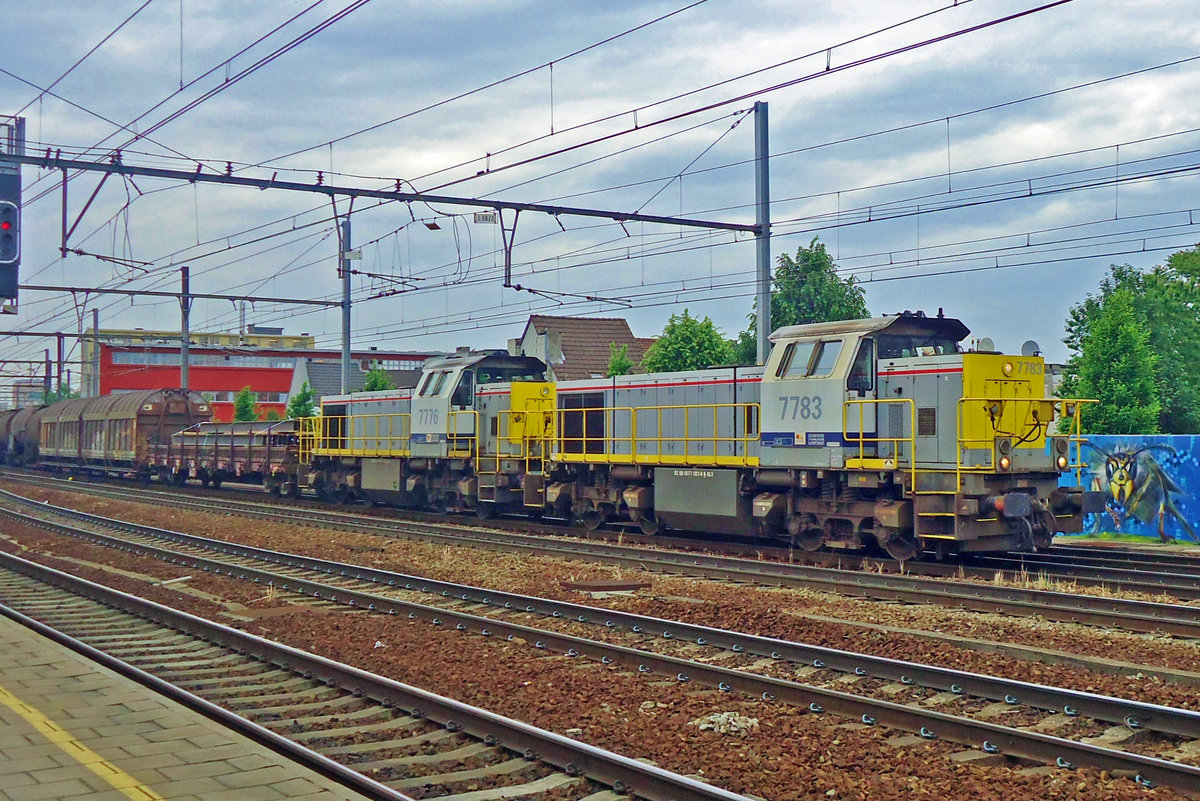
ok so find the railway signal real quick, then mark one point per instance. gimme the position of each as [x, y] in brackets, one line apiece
[12, 142]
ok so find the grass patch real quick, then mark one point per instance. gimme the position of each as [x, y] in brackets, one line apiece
[1109, 536]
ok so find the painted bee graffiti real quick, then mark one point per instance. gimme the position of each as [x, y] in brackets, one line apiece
[1137, 486]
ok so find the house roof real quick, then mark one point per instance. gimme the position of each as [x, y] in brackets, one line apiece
[585, 343]
[325, 378]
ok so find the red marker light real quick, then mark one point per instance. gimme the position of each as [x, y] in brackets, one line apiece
[4, 226]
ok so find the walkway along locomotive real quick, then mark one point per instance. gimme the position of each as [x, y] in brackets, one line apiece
[856, 434]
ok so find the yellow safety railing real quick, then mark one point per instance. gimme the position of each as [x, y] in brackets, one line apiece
[877, 462]
[592, 446]
[357, 435]
[1071, 409]
[462, 444]
[308, 432]
[1019, 412]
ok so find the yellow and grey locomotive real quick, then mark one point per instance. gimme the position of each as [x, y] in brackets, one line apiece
[856, 434]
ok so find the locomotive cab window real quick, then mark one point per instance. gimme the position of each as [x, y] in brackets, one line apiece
[809, 359]
[796, 357]
[825, 358]
[464, 393]
[433, 384]
[862, 377]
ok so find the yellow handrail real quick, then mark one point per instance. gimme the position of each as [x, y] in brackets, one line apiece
[357, 435]
[462, 445]
[896, 442]
[583, 446]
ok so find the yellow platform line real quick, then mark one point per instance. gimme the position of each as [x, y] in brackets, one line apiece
[118, 779]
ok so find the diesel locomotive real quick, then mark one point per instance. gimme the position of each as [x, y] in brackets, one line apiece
[881, 433]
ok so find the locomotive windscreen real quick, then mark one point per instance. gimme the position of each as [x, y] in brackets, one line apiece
[903, 346]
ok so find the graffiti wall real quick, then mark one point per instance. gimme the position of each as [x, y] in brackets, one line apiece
[1151, 485]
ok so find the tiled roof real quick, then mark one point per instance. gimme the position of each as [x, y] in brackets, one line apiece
[325, 378]
[585, 343]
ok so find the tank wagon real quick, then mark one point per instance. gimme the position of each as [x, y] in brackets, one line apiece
[125, 434]
[256, 452]
[856, 434]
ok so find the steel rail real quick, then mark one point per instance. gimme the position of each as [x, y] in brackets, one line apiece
[1131, 615]
[1185, 587]
[1135, 715]
[617, 771]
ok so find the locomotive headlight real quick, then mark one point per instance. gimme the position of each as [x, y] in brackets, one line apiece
[1008, 368]
[1005, 463]
[1061, 446]
[1062, 463]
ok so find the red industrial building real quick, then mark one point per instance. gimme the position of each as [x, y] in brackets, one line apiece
[220, 365]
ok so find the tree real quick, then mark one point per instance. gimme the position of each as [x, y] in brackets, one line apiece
[377, 380]
[244, 407]
[273, 416]
[1166, 306]
[687, 343]
[805, 289]
[303, 403]
[1116, 366]
[54, 396]
[619, 362]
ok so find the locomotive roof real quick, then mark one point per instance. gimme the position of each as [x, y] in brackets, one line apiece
[498, 357]
[896, 324]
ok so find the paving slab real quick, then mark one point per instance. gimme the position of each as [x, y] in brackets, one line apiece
[140, 746]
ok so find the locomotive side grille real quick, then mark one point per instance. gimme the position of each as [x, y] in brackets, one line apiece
[927, 421]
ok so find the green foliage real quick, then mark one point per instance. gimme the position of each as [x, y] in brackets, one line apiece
[303, 403]
[687, 343]
[54, 396]
[1116, 366]
[619, 362]
[272, 416]
[244, 407]
[377, 380]
[1166, 306]
[805, 289]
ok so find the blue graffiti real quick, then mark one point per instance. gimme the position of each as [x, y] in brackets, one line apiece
[1148, 483]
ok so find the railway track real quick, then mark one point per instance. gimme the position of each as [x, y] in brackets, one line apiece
[637, 638]
[382, 738]
[1124, 569]
[1111, 612]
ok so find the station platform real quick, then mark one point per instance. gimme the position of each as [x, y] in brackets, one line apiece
[71, 729]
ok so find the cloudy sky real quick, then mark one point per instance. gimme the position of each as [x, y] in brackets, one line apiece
[995, 172]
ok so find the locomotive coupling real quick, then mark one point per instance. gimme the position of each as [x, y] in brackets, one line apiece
[1010, 504]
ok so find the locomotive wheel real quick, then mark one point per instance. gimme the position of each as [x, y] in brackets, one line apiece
[901, 548]
[593, 518]
[809, 540]
[485, 510]
[649, 525]
[1043, 531]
